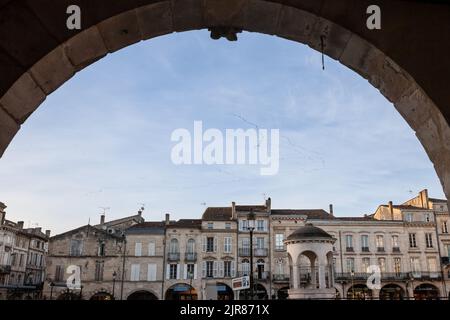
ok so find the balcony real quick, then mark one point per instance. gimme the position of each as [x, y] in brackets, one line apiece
[173, 256]
[244, 252]
[281, 278]
[396, 249]
[190, 257]
[365, 249]
[260, 252]
[380, 249]
[262, 276]
[349, 249]
[425, 275]
[5, 268]
[363, 276]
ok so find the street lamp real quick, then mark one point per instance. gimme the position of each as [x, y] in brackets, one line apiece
[114, 275]
[191, 276]
[251, 228]
[51, 289]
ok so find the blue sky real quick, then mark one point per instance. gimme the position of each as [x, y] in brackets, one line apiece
[103, 138]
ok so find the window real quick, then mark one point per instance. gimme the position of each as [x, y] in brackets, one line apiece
[349, 242]
[397, 265]
[138, 249]
[365, 243]
[427, 217]
[245, 267]
[99, 266]
[210, 225]
[209, 269]
[409, 217]
[227, 269]
[429, 240]
[227, 225]
[260, 225]
[244, 225]
[432, 264]
[350, 263]
[380, 243]
[227, 245]
[210, 244]
[135, 271]
[382, 264]
[101, 249]
[173, 248]
[412, 240]
[21, 260]
[190, 269]
[59, 274]
[75, 247]
[395, 243]
[365, 265]
[151, 248]
[415, 264]
[13, 259]
[190, 247]
[279, 241]
[173, 271]
[151, 272]
[260, 243]
[444, 227]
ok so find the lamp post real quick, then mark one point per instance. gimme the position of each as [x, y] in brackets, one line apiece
[51, 289]
[352, 274]
[114, 275]
[251, 228]
[191, 276]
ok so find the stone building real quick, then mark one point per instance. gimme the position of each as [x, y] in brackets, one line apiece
[22, 259]
[90, 258]
[304, 253]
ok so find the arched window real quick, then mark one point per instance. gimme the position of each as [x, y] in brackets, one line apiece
[190, 247]
[174, 246]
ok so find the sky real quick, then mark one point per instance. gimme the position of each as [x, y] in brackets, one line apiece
[103, 139]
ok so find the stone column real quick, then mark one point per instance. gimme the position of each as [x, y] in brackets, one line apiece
[294, 280]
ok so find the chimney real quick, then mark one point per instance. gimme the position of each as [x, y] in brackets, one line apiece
[424, 198]
[47, 233]
[102, 219]
[20, 225]
[233, 211]
[167, 218]
[331, 210]
[269, 204]
[391, 209]
[38, 229]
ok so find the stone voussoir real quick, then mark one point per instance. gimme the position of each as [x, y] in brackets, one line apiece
[23, 98]
[53, 70]
[120, 31]
[155, 19]
[295, 24]
[9, 128]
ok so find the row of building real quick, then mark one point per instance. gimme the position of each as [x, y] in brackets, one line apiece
[23, 254]
[134, 259]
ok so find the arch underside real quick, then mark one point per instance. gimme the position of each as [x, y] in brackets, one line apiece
[128, 25]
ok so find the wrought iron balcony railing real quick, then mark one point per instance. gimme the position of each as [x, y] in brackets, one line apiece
[190, 256]
[280, 278]
[5, 268]
[260, 252]
[173, 256]
[244, 252]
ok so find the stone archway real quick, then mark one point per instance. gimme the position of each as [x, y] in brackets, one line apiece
[142, 295]
[39, 54]
[181, 291]
[392, 292]
[426, 291]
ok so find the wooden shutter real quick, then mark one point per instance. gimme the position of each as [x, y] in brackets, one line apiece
[204, 244]
[185, 275]
[151, 248]
[195, 271]
[138, 249]
[204, 269]
[215, 269]
[215, 244]
[221, 271]
[151, 272]
[233, 268]
[168, 272]
[178, 271]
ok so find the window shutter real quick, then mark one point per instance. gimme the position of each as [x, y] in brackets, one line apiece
[168, 272]
[195, 271]
[204, 244]
[265, 226]
[151, 249]
[221, 271]
[151, 272]
[185, 276]
[178, 271]
[215, 244]
[138, 249]
[215, 271]
[204, 269]
[233, 268]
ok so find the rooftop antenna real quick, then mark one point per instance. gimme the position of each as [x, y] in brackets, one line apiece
[104, 209]
[203, 203]
[141, 209]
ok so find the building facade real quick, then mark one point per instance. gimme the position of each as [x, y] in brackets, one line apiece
[406, 246]
[23, 253]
